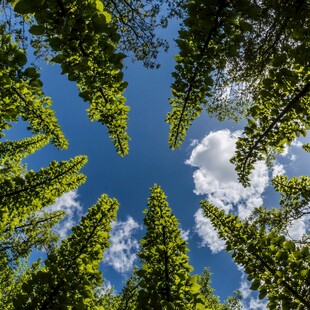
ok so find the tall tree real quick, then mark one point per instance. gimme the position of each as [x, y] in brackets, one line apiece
[236, 55]
[165, 280]
[22, 95]
[70, 274]
[212, 301]
[81, 39]
[294, 205]
[279, 269]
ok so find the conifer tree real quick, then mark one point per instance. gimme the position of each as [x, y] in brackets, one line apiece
[165, 280]
[70, 274]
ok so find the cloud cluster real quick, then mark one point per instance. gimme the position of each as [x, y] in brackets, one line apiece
[185, 234]
[123, 249]
[207, 233]
[299, 227]
[67, 202]
[216, 177]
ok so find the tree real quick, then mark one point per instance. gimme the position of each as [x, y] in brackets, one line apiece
[83, 43]
[294, 205]
[71, 272]
[237, 59]
[130, 292]
[165, 281]
[137, 23]
[212, 301]
[236, 55]
[22, 93]
[251, 60]
[279, 268]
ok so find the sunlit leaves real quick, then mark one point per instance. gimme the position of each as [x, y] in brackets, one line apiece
[294, 204]
[279, 120]
[71, 272]
[84, 44]
[165, 281]
[21, 195]
[274, 263]
[22, 95]
[239, 55]
[206, 41]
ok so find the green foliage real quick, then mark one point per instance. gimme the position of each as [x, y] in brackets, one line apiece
[79, 34]
[212, 301]
[22, 95]
[278, 268]
[21, 195]
[294, 205]
[12, 152]
[206, 41]
[236, 55]
[165, 281]
[241, 58]
[34, 233]
[71, 272]
[130, 292]
[137, 22]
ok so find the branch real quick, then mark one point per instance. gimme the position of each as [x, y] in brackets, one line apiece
[287, 109]
[40, 183]
[222, 6]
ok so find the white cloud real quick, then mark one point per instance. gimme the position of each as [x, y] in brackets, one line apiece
[122, 252]
[285, 151]
[297, 143]
[299, 227]
[73, 208]
[256, 304]
[277, 169]
[207, 233]
[185, 234]
[289, 149]
[216, 178]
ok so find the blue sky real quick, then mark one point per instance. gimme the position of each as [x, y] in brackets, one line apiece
[199, 169]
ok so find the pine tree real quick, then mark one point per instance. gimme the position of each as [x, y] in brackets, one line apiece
[165, 280]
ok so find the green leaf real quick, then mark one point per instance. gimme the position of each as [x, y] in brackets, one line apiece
[99, 5]
[31, 72]
[55, 43]
[262, 292]
[22, 7]
[304, 273]
[99, 23]
[108, 16]
[21, 58]
[195, 288]
[37, 30]
[255, 285]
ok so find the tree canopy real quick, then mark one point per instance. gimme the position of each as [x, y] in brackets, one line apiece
[238, 60]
